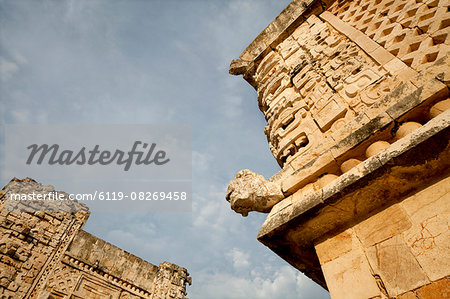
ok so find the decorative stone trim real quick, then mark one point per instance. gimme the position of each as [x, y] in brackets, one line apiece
[92, 270]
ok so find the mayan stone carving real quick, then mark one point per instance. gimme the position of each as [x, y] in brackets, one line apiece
[313, 84]
[356, 99]
[417, 32]
[250, 191]
[44, 253]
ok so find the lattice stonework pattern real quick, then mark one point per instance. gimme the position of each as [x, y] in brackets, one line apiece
[416, 31]
[63, 279]
[312, 84]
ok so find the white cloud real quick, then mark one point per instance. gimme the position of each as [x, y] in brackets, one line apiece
[20, 116]
[7, 68]
[284, 283]
[239, 258]
[212, 213]
[19, 58]
[201, 161]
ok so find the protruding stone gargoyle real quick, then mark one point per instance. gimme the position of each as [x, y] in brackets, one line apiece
[239, 67]
[250, 191]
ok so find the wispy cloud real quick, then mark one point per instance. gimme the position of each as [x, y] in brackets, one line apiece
[282, 283]
[239, 258]
[7, 68]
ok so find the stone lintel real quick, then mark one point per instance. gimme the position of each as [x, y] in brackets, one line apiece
[378, 182]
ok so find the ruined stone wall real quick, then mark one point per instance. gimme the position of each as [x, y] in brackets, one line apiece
[93, 266]
[32, 243]
[45, 254]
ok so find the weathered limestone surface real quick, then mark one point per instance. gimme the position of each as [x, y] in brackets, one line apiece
[44, 253]
[410, 253]
[358, 283]
[325, 81]
[32, 243]
[358, 193]
[250, 191]
[356, 99]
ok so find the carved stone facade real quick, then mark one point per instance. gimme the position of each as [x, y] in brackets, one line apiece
[356, 99]
[46, 254]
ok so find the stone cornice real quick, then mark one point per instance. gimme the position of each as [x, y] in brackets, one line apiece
[280, 28]
[102, 274]
[372, 185]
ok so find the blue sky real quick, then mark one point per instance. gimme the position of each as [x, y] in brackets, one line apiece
[158, 62]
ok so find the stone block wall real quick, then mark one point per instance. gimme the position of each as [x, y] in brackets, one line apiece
[399, 251]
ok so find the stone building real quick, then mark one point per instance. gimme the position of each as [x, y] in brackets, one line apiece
[44, 253]
[355, 95]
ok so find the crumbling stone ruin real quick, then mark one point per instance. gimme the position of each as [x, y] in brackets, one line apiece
[46, 254]
[356, 98]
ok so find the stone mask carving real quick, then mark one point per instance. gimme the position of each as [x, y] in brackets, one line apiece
[250, 191]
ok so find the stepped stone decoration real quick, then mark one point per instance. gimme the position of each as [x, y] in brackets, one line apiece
[44, 253]
[356, 98]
